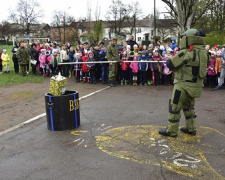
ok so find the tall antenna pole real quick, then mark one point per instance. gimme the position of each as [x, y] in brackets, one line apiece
[154, 22]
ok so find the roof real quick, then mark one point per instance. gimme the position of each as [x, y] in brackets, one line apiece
[33, 27]
[108, 24]
[165, 22]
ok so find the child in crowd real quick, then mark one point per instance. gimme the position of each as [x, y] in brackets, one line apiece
[92, 68]
[5, 61]
[151, 47]
[127, 52]
[149, 74]
[48, 48]
[55, 60]
[85, 72]
[135, 49]
[0, 61]
[45, 61]
[134, 67]
[71, 57]
[124, 70]
[131, 57]
[155, 67]
[173, 44]
[48, 62]
[77, 67]
[139, 55]
[176, 49]
[165, 69]
[218, 65]
[42, 60]
[104, 66]
[211, 70]
[78, 49]
[143, 67]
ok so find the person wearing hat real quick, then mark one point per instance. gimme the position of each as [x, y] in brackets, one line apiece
[190, 68]
[112, 55]
[0, 60]
[173, 44]
[92, 67]
[143, 67]
[5, 61]
[222, 73]
[34, 57]
[23, 56]
[15, 60]
[55, 60]
[216, 47]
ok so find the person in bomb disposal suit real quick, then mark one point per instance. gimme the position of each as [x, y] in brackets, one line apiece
[190, 68]
[112, 55]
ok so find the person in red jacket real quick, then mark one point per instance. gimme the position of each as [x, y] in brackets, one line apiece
[124, 70]
[85, 72]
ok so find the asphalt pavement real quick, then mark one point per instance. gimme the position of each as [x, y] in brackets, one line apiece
[118, 139]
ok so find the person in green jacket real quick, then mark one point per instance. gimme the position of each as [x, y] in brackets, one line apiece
[112, 55]
[55, 60]
[23, 56]
[190, 68]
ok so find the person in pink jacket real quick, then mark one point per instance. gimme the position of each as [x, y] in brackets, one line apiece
[134, 67]
[42, 61]
[211, 70]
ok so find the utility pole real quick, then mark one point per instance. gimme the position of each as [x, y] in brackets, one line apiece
[154, 22]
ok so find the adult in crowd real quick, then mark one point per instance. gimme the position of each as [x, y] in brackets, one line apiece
[222, 73]
[189, 70]
[55, 49]
[96, 53]
[26, 45]
[85, 48]
[131, 41]
[112, 55]
[34, 57]
[14, 58]
[23, 56]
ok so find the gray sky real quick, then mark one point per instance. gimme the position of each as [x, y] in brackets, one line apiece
[78, 7]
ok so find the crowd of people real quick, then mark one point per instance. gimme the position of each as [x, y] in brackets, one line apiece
[47, 60]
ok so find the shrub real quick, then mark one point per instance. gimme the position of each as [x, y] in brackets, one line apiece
[10, 43]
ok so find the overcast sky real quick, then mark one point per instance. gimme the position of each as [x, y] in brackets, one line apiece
[78, 7]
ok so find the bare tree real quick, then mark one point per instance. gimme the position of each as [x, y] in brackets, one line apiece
[26, 14]
[135, 15]
[187, 12]
[119, 13]
[166, 27]
[58, 23]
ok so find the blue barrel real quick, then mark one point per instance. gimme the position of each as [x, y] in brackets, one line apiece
[63, 111]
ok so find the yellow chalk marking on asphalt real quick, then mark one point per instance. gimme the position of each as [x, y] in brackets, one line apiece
[77, 132]
[184, 155]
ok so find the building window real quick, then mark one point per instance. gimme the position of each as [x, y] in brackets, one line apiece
[57, 38]
[152, 32]
[84, 39]
[139, 38]
[139, 30]
[56, 30]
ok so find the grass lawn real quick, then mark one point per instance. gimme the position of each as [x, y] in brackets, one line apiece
[12, 78]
